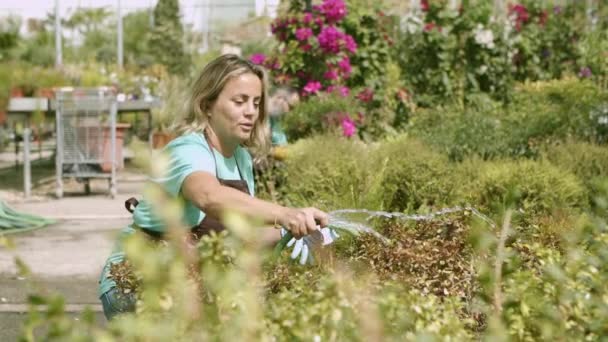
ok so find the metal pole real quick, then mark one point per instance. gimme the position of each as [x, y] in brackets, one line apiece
[205, 27]
[58, 58]
[209, 21]
[27, 172]
[151, 15]
[119, 29]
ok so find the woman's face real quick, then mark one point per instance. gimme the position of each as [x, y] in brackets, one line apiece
[236, 110]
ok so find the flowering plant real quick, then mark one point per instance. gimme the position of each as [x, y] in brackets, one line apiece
[314, 52]
[336, 48]
[447, 53]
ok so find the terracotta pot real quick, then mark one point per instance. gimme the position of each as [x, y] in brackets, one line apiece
[16, 92]
[99, 144]
[160, 139]
[46, 92]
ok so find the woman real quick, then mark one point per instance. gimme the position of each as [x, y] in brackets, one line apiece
[209, 167]
[282, 101]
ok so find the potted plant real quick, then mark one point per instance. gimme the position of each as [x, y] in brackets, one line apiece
[171, 91]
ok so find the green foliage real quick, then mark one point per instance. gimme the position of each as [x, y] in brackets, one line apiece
[9, 35]
[477, 130]
[93, 24]
[589, 162]
[539, 293]
[446, 54]
[372, 29]
[332, 179]
[411, 176]
[530, 186]
[592, 54]
[172, 90]
[562, 108]
[546, 47]
[136, 35]
[318, 115]
[166, 43]
[540, 113]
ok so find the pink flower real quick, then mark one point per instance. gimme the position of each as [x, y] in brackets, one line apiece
[312, 87]
[307, 18]
[345, 66]
[366, 96]
[329, 39]
[428, 27]
[342, 90]
[330, 74]
[402, 95]
[319, 21]
[333, 10]
[257, 58]
[424, 5]
[350, 43]
[521, 15]
[542, 18]
[272, 64]
[303, 33]
[306, 47]
[348, 127]
[585, 72]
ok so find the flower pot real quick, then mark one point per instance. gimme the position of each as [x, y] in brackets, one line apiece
[160, 139]
[99, 144]
[46, 92]
[16, 92]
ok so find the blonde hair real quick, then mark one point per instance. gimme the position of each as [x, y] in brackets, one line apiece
[206, 89]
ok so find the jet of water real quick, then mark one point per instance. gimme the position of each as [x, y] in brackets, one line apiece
[339, 219]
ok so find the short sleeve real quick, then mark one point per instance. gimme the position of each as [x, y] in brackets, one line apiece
[186, 155]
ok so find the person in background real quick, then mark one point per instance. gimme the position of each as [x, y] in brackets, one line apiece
[281, 101]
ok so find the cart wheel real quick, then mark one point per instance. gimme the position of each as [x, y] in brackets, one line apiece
[87, 187]
[113, 192]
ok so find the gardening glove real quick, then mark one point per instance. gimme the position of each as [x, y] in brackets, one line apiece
[304, 246]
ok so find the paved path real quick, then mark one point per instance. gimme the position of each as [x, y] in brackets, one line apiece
[64, 258]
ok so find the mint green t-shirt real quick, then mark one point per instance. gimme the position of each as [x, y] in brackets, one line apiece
[187, 154]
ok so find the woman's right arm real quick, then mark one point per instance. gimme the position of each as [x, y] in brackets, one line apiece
[205, 191]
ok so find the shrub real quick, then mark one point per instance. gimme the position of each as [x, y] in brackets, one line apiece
[534, 187]
[316, 116]
[589, 162]
[326, 171]
[476, 130]
[541, 113]
[560, 109]
[411, 176]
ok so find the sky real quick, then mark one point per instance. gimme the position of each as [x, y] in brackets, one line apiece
[192, 10]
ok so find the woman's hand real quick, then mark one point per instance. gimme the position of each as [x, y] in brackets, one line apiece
[304, 221]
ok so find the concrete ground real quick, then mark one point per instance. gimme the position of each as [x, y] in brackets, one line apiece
[64, 258]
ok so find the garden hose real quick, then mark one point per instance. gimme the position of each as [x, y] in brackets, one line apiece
[12, 221]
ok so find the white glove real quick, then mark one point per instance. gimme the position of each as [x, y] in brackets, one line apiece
[303, 246]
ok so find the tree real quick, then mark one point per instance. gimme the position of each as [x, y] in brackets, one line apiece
[9, 35]
[136, 38]
[166, 40]
[94, 25]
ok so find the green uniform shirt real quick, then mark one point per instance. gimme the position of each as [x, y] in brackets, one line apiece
[187, 154]
[278, 136]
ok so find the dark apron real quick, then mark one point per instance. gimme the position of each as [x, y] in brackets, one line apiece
[208, 224]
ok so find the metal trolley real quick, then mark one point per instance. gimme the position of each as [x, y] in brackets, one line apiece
[86, 136]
